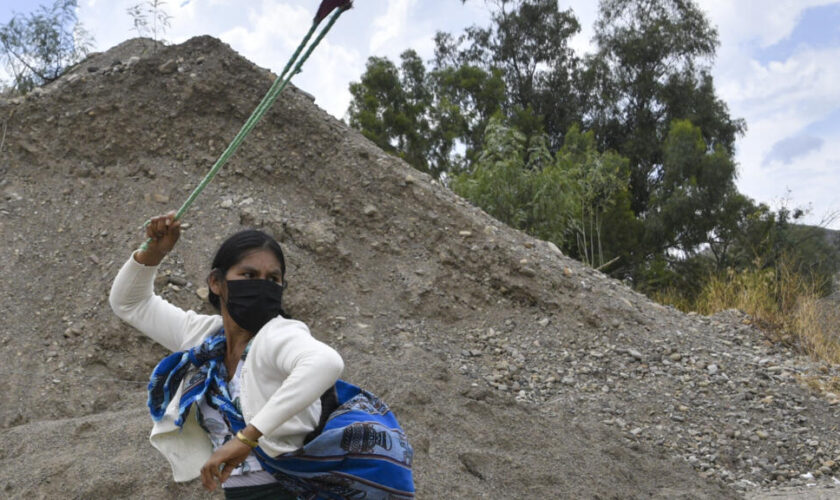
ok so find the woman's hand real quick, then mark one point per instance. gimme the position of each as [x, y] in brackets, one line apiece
[222, 462]
[163, 232]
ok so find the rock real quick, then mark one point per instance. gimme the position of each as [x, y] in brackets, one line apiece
[226, 203]
[160, 198]
[634, 354]
[203, 293]
[712, 369]
[527, 271]
[73, 331]
[554, 249]
[370, 210]
[544, 322]
[168, 67]
[177, 281]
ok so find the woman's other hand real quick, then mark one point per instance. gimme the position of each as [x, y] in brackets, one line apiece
[163, 232]
[222, 462]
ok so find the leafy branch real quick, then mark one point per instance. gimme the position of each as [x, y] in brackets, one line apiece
[39, 47]
[150, 19]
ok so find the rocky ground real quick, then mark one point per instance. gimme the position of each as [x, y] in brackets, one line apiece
[514, 369]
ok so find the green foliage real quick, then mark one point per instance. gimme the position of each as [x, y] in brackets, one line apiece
[390, 106]
[150, 19]
[599, 180]
[571, 198]
[500, 184]
[39, 47]
[527, 44]
[651, 69]
[425, 117]
[522, 66]
[689, 202]
[465, 98]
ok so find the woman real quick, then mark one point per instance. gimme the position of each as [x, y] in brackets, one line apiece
[270, 414]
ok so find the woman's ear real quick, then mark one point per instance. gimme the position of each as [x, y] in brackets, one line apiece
[214, 282]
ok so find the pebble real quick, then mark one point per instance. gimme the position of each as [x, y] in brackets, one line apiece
[168, 67]
[177, 281]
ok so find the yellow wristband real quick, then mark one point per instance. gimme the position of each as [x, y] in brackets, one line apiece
[244, 439]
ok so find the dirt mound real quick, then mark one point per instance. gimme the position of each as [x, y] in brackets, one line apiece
[514, 370]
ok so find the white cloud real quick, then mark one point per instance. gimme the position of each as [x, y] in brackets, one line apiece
[392, 24]
[273, 32]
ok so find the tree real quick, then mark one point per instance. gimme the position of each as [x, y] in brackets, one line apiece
[465, 99]
[522, 66]
[527, 43]
[690, 201]
[39, 47]
[390, 106]
[651, 68]
[425, 118]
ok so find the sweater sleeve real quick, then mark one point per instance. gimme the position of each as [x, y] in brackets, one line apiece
[312, 368]
[133, 299]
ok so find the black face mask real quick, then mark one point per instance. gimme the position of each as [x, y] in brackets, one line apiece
[253, 303]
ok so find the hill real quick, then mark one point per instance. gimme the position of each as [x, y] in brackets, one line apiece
[515, 370]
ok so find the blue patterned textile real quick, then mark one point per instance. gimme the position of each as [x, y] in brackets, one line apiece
[198, 362]
[360, 453]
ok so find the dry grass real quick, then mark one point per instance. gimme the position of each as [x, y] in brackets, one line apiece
[817, 326]
[781, 301]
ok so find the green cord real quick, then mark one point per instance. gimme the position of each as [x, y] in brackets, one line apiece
[268, 100]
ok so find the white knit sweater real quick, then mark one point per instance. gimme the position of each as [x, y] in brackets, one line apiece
[284, 375]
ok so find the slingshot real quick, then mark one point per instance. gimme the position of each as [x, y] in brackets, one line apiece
[291, 69]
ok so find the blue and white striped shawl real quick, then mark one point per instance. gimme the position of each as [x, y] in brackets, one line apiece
[360, 452]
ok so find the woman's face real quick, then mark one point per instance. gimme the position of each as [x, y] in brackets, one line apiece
[259, 264]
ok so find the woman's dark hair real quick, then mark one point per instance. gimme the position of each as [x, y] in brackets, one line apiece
[235, 248]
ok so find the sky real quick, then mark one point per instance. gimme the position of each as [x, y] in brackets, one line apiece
[776, 67]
